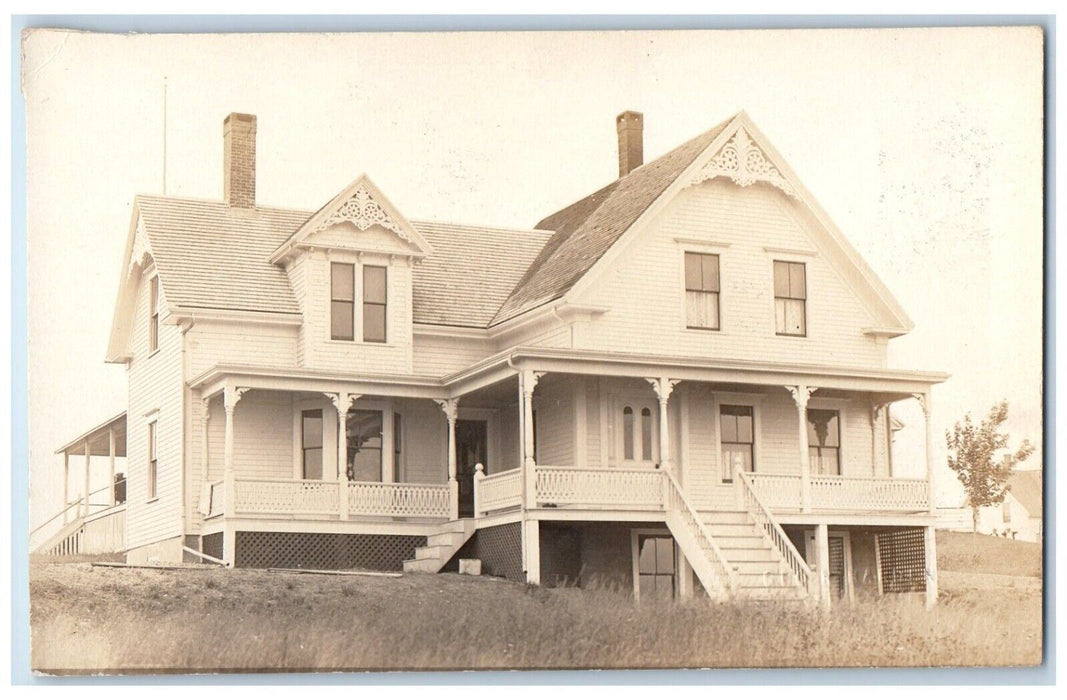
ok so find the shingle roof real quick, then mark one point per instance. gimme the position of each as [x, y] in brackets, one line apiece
[212, 256]
[586, 229]
[1026, 489]
[471, 273]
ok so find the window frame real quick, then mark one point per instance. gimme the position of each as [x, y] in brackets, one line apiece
[336, 300]
[752, 400]
[717, 291]
[636, 535]
[302, 466]
[722, 443]
[382, 447]
[804, 300]
[840, 436]
[153, 314]
[152, 461]
[638, 406]
[384, 304]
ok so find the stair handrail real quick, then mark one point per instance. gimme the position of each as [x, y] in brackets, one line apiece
[727, 577]
[774, 532]
[72, 503]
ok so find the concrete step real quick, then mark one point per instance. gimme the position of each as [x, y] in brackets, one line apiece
[446, 539]
[425, 566]
[436, 552]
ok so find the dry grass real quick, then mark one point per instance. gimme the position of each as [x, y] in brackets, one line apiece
[135, 620]
[963, 551]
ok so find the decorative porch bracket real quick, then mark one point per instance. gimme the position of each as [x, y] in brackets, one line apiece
[451, 411]
[342, 401]
[801, 393]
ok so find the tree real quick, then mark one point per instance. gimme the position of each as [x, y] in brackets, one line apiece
[973, 456]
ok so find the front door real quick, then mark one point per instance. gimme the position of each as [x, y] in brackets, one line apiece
[471, 448]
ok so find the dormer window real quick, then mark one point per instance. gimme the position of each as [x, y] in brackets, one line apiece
[790, 298]
[374, 303]
[342, 301]
[153, 314]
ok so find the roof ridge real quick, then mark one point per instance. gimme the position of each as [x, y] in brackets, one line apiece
[204, 200]
[517, 229]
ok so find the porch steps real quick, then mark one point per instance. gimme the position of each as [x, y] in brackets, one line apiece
[761, 572]
[441, 546]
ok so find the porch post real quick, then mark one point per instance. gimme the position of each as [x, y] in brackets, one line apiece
[822, 562]
[111, 461]
[801, 393]
[451, 410]
[342, 401]
[66, 482]
[930, 552]
[529, 383]
[205, 486]
[924, 402]
[663, 388]
[86, 501]
[231, 395]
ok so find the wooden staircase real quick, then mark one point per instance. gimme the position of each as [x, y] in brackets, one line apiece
[760, 571]
[103, 532]
[441, 546]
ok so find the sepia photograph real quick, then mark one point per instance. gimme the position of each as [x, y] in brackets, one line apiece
[535, 350]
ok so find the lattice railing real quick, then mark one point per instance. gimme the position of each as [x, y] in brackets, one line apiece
[861, 493]
[583, 486]
[499, 491]
[286, 496]
[774, 532]
[398, 499]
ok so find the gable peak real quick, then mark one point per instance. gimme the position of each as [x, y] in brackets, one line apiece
[363, 210]
[741, 160]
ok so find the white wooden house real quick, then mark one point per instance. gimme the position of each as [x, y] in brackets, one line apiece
[1019, 517]
[677, 383]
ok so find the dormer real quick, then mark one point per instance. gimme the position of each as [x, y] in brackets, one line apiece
[350, 267]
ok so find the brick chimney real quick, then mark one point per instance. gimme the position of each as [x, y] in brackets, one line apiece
[630, 126]
[239, 160]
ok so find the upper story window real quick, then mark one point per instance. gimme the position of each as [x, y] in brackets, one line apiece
[737, 436]
[311, 444]
[153, 462]
[702, 291]
[153, 314]
[824, 441]
[374, 303]
[342, 301]
[790, 297]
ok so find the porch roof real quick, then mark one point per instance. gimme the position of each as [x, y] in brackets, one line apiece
[98, 439]
[890, 384]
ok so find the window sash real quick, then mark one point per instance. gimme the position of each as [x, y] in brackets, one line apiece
[628, 433]
[311, 444]
[375, 293]
[342, 301]
[153, 462]
[364, 430]
[790, 317]
[655, 566]
[702, 310]
[701, 272]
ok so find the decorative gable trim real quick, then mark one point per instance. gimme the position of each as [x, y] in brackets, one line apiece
[363, 211]
[743, 162]
[363, 205]
[141, 251]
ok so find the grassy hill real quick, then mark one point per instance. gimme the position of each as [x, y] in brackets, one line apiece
[985, 554]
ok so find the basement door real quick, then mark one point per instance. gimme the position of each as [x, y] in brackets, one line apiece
[472, 447]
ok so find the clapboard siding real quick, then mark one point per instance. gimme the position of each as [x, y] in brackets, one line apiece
[318, 351]
[554, 404]
[213, 343]
[155, 391]
[644, 289]
[438, 356]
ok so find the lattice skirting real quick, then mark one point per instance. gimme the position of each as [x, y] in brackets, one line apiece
[322, 550]
[500, 549]
[211, 545]
[902, 558]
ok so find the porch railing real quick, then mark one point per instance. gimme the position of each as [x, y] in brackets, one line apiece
[398, 499]
[498, 491]
[774, 532]
[584, 486]
[286, 496]
[842, 493]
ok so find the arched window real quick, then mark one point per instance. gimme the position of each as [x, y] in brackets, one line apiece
[646, 434]
[628, 433]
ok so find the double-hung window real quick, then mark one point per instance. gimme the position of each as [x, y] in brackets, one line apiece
[702, 291]
[311, 443]
[737, 436]
[153, 315]
[153, 462]
[790, 297]
[374, 304]
[824, 441]
[342, 301]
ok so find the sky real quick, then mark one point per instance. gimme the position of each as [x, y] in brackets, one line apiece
[923, 145]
